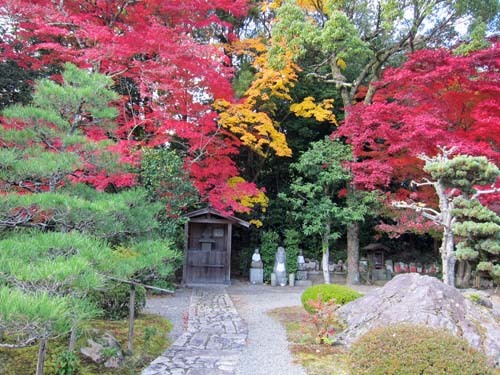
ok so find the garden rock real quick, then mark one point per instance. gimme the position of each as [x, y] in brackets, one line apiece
[93, 351]
[415, 299]
[105, 349]
[479, 297]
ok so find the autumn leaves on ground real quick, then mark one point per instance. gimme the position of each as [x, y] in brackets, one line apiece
[334, 123]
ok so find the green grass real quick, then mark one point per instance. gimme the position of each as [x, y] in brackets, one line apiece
[23, 361]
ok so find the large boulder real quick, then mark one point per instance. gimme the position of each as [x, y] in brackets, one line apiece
[415, 299]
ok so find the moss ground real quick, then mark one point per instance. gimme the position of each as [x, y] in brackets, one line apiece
[150, 340]
[317, 359]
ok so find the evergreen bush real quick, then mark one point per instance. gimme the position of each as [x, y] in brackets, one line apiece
[268, 246]
[413, 349]
[292, 241]
[114, 299]
[340, 294]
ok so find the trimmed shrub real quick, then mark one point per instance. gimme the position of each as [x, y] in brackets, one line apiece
[114, 299]
[340, 294]
[414, 349]
[268, 246]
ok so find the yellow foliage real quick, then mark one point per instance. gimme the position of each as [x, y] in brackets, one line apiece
[256, 222]
[125, 252]
[255, 129]
[314, 5]
[341, 64]
[249, 201]
[308, 108]
[251, 120]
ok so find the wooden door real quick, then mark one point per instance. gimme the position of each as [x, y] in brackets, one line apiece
[207, 254]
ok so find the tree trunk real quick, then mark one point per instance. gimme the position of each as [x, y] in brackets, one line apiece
[459, 276]
[131, 317]
[448, 258]
[42, 351]
[467, 275]
[448, 244]
[325, 245]
[353, 254]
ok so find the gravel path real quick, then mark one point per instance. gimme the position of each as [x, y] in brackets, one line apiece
[266, 351]
[174, 308]
[267, 348]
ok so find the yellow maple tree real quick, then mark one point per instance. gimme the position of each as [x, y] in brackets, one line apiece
[251, 119]
[321, 111]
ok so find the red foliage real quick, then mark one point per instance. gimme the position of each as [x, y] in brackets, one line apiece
[165, 49]
[434, 99]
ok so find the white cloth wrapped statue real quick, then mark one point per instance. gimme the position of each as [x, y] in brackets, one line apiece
[279, 266]
[256, 260]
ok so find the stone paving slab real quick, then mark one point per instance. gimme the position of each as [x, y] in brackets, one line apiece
[213, 341]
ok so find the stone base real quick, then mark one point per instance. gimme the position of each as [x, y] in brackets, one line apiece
[256, 276]
[303, 283]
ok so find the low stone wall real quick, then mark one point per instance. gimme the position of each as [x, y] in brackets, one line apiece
[316, 277]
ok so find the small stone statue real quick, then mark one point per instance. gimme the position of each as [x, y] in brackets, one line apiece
[341, 265]
[256, 269]
[256, 260]
[279, 266]
[301, 262]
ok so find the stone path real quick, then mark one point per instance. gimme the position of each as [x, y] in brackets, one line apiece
[213, 341]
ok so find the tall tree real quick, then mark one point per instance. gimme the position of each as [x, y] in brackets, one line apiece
[434, 99]
[47, 141]
[169, 69]
[457, 181]
[318, 195]
[354, 41]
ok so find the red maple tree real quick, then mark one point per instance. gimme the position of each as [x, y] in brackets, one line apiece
[165, 62]
[434, 99]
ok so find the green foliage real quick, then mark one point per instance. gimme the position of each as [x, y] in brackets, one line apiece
[477, 40]
[463, 172]
[114, 217]
[336, 36]
[14, 84]
[315, 191]
[476, 298]
[340, 294]
[51, 144]
[67, 363]
[292, 241]
[114, 299]
[268, 246]
[28, 316]
[147, 261]
[409, 350]
[63, 262]
[166, 181]
[165, 178]
[478, 231]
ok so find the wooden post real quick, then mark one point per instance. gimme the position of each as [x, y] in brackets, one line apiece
[131, 312]
[186, 248]
[42, 351]
[74, 335]
[229, 245]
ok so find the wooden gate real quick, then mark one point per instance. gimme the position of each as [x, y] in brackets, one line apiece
[207, 258]
[207, 254]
